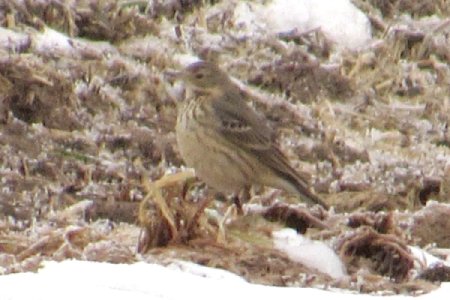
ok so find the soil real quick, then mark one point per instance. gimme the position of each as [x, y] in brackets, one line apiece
[90, 169]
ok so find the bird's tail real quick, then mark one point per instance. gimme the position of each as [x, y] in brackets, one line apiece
[298, 185]
[287, 178]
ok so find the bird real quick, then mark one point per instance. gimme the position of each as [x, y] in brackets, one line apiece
[229, 145]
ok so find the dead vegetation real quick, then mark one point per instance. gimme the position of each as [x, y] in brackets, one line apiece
[89, 166]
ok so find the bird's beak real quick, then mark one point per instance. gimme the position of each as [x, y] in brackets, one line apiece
[172, 75]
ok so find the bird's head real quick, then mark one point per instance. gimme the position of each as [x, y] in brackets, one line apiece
[205, 76]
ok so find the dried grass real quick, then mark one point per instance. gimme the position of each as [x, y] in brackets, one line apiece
[87, 148]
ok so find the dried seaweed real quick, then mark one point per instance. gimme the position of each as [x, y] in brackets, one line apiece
[382, 223]
[436, 273]
[86, 131]
[386, 254]
[293, 217]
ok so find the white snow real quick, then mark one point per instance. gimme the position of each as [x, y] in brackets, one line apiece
[313, 254]
[11, 40]
[425, 258]
[92, 280]
[340, 20]
[186, 59]
[52, 41]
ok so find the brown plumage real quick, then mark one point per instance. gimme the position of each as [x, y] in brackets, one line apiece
[229, 145]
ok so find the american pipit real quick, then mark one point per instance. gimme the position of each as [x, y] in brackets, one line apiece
[229, 145]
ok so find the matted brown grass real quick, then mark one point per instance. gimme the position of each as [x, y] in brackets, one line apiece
[90, 169]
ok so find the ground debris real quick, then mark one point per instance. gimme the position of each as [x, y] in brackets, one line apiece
[90, 169]
[385, 254]
[436, 273]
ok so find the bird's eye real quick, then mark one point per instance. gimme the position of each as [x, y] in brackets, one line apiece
[199, 76]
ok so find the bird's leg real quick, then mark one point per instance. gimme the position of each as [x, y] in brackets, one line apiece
[238, 198]
[238, 204]
[242, 197]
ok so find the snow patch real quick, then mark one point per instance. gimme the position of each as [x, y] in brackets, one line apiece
[52, 41]
[341, 21]
[313, 254]
[74, 280]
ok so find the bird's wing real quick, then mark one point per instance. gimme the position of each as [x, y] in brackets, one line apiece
[244, 128]
[241, 125]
